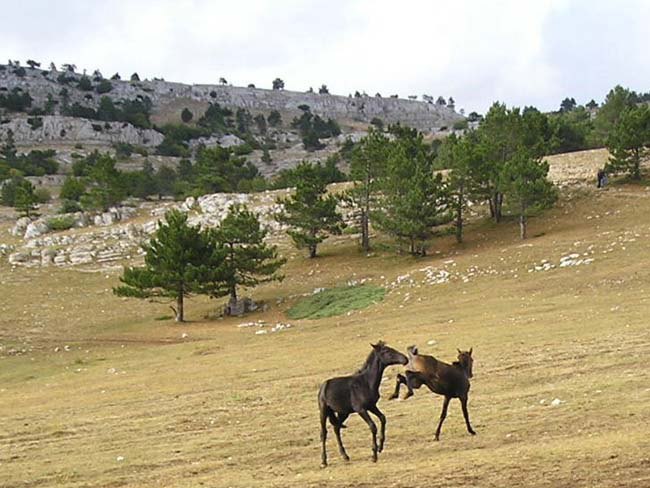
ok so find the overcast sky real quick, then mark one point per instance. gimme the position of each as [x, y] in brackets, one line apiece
[521, 52]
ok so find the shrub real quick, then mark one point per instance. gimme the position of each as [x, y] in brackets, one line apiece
[104, 86]
[42, 195]
[69, 206]
[186, 115]
[63, 222]
[35, 122]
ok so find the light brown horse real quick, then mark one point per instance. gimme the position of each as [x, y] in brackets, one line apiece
[449, 380]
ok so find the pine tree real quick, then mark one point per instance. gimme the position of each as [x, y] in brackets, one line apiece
[108, 188]
[310, 213]
[25, 199]
[629, 141]
[8, 150]
[366, 167]
[248, 260]
[459, 155]
[179, 261]
[527, 187]
[413, 201]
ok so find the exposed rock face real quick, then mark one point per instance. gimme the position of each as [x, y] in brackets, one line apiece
[422, 115]
[70, 130]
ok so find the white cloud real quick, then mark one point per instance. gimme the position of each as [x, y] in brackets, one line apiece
[520, 52]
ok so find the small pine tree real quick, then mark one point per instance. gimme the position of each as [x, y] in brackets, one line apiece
[186, 115]
[25, 198]
[527, 188]
[274, 119]
[278, 84]
[248, 260]
[310, 213]
[629, 141]
[72, 189]
[179, 261]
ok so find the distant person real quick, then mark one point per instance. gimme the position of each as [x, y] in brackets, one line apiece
[602, 178]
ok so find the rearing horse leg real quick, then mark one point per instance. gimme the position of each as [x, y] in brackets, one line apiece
[398, 384]
[382, 432]
[373, 428]
[443, 414]
[463, 404]
[337, 432]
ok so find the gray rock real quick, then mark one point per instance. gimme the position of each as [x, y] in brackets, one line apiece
[36, 229]
[21, 226]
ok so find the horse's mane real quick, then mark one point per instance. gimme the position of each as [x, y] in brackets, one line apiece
[369, 359]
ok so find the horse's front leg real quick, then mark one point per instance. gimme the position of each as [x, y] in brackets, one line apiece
[463, 404]
[398, 384]
[373, 429]
[382, 432]
[413, 380]
[443, 414]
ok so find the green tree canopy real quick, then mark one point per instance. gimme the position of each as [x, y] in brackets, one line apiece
[629, 141]
[248, 260]
[179, 261]
[310, 212]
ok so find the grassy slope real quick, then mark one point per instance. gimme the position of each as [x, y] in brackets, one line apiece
[226, 407]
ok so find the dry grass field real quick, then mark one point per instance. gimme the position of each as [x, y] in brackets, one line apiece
[94, 391]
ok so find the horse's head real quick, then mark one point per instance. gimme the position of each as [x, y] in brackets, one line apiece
[388, 355]
[465, 360]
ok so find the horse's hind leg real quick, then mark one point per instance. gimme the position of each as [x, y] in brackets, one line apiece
[463, 404]
[323, 432]
[373, 429]
[338, 424]
[398, 383]
[443, 414]
[382, 432]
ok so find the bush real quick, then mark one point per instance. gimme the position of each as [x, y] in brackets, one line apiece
[186, 115]
[72, 189]
[35, 122]
[64, 222]
[42, 195]
[461, 125]
[69, 206]
[104, 86]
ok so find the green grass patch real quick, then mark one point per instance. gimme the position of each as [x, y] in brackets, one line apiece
[336, 301]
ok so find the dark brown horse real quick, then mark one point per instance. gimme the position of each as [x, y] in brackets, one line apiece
[358, 393]
[449, 380]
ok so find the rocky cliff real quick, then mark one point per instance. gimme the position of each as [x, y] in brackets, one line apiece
[423, 115]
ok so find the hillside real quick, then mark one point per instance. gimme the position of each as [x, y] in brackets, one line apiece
[75, 113]
[211, 402]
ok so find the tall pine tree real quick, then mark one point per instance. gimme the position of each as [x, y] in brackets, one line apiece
[247, 259]
[527, 187]
[366, 167]
[179, 260]
[310, 212]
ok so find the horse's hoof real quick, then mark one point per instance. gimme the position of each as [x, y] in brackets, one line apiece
[408, 395]
[323, 465]
[392, 397]
[472, 432]
[436, 439]
[346, 458]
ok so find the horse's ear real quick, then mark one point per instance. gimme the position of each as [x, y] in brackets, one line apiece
[470, 350]
[459, 351]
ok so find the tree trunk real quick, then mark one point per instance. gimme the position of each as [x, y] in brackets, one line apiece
[636, 172]
[312, 250]
[179, 306]
[459, 217]
[498, 203]
[365, 233]
[233, 295]
[522, 223]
